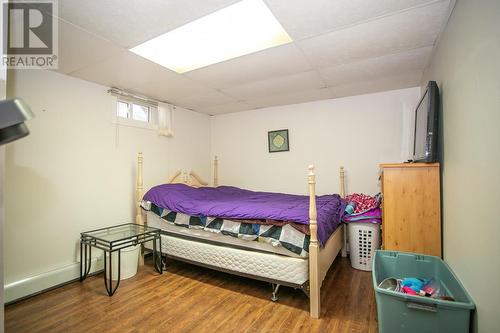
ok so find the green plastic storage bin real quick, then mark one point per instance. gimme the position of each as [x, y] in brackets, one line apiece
[399, 312]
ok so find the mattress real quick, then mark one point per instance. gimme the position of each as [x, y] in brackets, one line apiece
[155, 221]
[259, 265]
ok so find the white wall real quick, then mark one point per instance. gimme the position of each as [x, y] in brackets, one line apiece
[2, 218]
[3, 80]
[76, 170]
[357, 132]
[466, 67]
[2, 213]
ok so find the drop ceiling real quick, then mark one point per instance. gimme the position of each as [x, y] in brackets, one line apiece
[340, 48]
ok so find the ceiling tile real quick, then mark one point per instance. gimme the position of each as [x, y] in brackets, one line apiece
[292, 98]
[134, 73]
[373, 68]
[78, 48]
[309, 18]
[135, 21]
[127, 70]
[199, 101]
[277, 61]
[279, 85]
[406, 30]
[400, 81]
[167, 87]
[226, 108]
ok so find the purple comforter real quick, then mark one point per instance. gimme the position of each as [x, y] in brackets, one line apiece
[232, 202]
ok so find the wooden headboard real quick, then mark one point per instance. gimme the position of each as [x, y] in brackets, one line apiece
[190, 178]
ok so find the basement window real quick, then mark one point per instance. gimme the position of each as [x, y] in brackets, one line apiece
[133, 111]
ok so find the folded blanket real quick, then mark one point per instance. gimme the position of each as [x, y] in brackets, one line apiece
[299, 227]
[373, 215]
[283, 235]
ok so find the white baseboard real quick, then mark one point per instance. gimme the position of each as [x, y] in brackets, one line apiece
[35, 284]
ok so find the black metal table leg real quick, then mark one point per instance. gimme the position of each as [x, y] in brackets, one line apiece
[157, 258]
[88, 260]
[160, 264]
[154, 253]
[85, 260]
[161, 257]
[110, 288]
[81, 260]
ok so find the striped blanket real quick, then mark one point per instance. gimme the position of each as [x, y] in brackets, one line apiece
[277, 235]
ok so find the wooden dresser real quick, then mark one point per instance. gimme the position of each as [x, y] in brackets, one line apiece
[411, 207]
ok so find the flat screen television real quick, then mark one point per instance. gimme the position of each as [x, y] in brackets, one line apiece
[425, 139]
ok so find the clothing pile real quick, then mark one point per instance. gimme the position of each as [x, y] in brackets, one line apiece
[363, 208]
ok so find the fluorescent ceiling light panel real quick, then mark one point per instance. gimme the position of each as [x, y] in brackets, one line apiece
[245, 27]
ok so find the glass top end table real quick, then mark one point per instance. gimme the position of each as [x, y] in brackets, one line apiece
[114, 239]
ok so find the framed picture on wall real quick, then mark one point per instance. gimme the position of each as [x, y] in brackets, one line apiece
[278, 141]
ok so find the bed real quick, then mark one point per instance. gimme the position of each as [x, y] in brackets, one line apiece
[262, 260]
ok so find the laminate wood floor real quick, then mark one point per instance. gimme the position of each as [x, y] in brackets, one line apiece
[188, 298]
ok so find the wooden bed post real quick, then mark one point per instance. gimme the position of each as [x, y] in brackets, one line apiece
[216, 171]
[342, 195]
[342, 182]
[314, 282]
[138, 200]
[139, 191]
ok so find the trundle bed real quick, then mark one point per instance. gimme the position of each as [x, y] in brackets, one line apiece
[276, 256]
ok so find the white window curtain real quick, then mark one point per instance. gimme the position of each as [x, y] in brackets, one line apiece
[165, 116]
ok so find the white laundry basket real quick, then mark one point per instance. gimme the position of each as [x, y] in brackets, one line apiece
[128, 265]
[364, 239]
